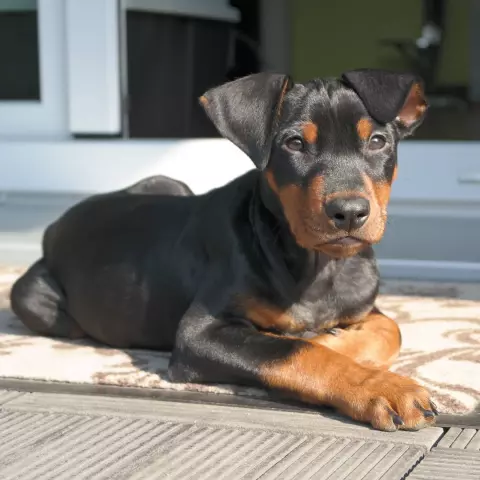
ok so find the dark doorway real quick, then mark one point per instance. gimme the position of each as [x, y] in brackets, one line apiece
[172, 60]
[247, 40]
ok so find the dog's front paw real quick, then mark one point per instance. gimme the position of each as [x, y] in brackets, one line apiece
[389, 402]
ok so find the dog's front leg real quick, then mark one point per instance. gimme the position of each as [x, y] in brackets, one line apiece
[211, 348]
[373, 341]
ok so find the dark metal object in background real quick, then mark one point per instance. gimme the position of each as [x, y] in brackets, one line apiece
[424, 54]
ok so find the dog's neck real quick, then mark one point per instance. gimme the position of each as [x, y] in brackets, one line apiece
[278, 242]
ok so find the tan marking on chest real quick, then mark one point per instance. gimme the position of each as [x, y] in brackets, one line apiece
[270, 317]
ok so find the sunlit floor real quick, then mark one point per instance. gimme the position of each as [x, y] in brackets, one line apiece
[67, 436]
[73, 430]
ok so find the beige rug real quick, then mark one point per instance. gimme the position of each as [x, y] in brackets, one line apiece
[441, 348]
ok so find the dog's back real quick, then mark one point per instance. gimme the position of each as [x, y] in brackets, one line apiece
[159, 185]
[39, 297]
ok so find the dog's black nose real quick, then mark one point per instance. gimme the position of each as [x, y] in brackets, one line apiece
[348, 213]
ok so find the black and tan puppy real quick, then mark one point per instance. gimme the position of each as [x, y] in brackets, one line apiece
[269, 280]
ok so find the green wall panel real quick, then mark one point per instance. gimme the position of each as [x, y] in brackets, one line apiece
[330, 36]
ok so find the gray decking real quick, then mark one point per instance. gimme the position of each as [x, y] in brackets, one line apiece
[67, 436]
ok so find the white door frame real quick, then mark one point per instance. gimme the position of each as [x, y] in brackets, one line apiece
[93, 67]
[82, 76]
[79, 73]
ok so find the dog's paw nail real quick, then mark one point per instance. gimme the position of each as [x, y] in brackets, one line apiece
[397, 420]
[434, 408]
[426, 413]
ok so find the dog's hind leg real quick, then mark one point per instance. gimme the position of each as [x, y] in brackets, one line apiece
[39, 302]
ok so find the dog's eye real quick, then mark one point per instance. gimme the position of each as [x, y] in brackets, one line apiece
[377, 142]
[295, 144]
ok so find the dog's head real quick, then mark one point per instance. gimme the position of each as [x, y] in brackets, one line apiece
[327, 148]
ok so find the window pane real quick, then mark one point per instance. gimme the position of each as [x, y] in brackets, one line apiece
[19, 57]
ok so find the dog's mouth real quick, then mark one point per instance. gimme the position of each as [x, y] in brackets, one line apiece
[344, 241]
[338, 239]
[347, 241]
[335, 243]
[342, 247]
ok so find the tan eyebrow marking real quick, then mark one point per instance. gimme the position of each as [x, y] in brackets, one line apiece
[364, 128]
[310, 132]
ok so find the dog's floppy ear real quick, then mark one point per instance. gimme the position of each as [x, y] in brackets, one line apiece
[390, 96]
[246, 110]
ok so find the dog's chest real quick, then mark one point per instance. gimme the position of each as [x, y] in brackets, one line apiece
[339, 297]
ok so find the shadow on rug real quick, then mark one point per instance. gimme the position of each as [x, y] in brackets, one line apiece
[440, 326]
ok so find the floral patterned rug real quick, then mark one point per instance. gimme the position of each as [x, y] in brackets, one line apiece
[440, 326]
